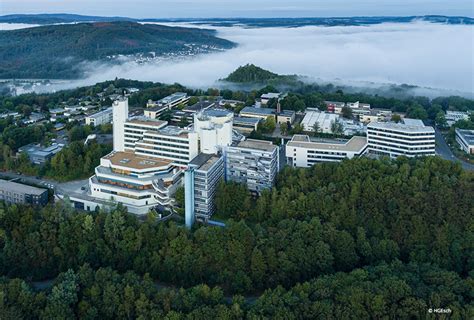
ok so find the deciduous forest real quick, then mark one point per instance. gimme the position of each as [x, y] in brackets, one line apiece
[361, 239]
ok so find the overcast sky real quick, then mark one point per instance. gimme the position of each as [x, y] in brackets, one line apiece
[240, 8]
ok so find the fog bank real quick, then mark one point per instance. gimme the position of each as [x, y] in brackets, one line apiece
[423, 54]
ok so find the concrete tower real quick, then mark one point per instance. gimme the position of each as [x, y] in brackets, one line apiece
[214, 127]
[120, 115]
[189, 213]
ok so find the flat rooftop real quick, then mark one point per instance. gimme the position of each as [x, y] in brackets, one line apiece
[266, 111]
[214, 112]
[100, 113]
[173, 131]
[20, 188]
[355, 144]
[134, 161]
[204, 161]
[336, 103]
[157, 108]
[467, 135]
[40, 150]
[201, 105]
[258, 111]
[148, 122]
[408, 126]
[413, 122]
[246, 120]
[257, 145]
[173, 97]
[270, 95]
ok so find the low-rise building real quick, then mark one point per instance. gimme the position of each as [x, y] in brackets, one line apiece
[454, 116]
[284, 116]
[409, 138]
[57, 111]
[377, 115]
[465, 139]
[302, 152]
[14, 115]
[179, 116]
[334, 106]
[188, 112]
[231, 103]
[34, 118]
[246, 125]
[170, 101]
[266, 97]
[199, 106]
[323, 120]
[13, 192]
[352, 127]
[358, 105]
[100, 118]
[39, 154]
[254, 163]
[154, 112]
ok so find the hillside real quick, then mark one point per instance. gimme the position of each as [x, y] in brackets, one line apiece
[253, 74]
[56, 51]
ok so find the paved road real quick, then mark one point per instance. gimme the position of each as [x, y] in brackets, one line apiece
[67, 188]
[443, 150]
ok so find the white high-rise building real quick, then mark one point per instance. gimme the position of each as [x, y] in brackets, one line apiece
[207, 172]
[214, 127]
[254, 163]
[145, 168]
[135, 128]
[119, 115]
[172, 143]
[410, 138]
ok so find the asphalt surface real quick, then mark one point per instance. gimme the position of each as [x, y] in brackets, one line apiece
[443, 150]
[78, 186]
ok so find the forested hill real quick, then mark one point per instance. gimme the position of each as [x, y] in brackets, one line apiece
[253, 74]
[361, 239]
[56, 51]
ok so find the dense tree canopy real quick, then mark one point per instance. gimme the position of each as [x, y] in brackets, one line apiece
[358, 239]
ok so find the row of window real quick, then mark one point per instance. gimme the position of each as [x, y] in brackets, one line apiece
[126, 195]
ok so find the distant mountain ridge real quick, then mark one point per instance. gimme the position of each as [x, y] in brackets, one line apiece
[52, 18]
[56, 51]
[249, 22]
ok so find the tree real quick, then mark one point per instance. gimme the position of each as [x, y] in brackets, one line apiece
[316, 128]
[346, 112]
[396, 118]
[297, 128]
[440, 120]
[268, 125]
[416, 111]
[284, 128]
[193, 100]
[167, 115]
[183, 122]
[337, 127]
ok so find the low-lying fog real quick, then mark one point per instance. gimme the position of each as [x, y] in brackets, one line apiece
[423, 54]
